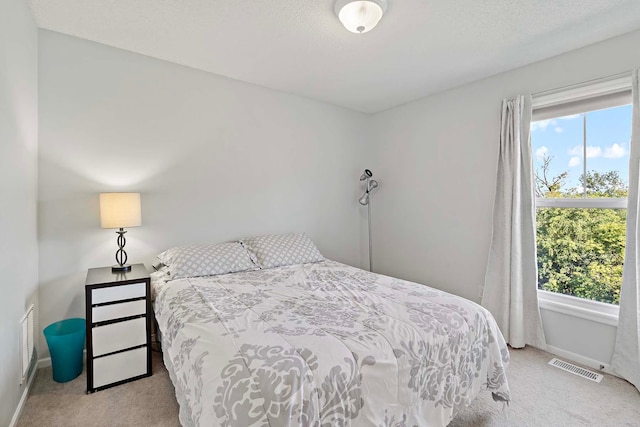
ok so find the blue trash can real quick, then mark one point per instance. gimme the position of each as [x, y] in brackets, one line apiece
[66, 342]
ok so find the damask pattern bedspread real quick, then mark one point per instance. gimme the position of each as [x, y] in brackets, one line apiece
[324, 344]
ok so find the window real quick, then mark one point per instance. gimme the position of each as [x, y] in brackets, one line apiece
[580, 141]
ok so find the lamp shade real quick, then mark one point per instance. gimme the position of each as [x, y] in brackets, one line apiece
[360, 16]
[120, 210]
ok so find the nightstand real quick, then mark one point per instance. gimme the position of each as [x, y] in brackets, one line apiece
[118, 313]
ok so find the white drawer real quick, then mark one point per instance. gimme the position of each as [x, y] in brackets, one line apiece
[118, 311]
[118, 336]
[117, 293]
[121, 366]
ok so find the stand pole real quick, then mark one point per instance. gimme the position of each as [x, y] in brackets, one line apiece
[370, 242]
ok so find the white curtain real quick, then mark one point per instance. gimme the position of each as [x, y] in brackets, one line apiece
[626, 356]
[510, 286]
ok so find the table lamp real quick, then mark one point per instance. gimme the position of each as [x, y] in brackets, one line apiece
[120, 210]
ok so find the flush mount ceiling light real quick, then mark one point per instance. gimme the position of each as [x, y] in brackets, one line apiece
[360, 16]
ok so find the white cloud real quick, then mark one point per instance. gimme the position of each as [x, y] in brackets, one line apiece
[542, 124]
[593, 151]
[541, 152]
[574, 161]
[614, 152]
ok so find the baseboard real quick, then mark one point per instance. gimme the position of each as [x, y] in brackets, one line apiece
[45, 362]
[23, 398]
[583, 360]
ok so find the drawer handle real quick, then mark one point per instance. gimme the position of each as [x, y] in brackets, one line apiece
[122, 319]
[120, 351]
[120, 301]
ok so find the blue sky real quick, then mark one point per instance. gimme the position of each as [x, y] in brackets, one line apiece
[608, 136]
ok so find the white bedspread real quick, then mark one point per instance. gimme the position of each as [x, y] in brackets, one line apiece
[324, 344]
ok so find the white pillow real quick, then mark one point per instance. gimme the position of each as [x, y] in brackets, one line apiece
[282, 249]
[207, 260]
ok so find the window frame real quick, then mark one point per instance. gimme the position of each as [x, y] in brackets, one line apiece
[582, 203]
[614, 87]
[620, 83]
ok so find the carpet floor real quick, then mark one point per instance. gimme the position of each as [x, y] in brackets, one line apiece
[542, 396]
[546, 396]
[147, 402]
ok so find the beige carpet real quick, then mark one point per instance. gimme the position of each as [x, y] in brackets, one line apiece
[546, 396]
[542, 396]
[147, 402]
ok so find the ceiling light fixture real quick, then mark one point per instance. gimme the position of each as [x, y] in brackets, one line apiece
[360, 16]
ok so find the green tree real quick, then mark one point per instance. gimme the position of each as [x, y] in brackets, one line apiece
[608, 184]
[581, 251]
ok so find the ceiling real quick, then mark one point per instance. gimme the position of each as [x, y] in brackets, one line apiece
[420, 46]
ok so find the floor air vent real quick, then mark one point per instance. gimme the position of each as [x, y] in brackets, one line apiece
[577, 370]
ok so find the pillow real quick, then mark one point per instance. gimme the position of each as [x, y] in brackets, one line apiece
[282, 249]
[157, 265]
[207, 260]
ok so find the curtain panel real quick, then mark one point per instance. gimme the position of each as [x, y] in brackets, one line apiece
[626, 355]
[510, 289]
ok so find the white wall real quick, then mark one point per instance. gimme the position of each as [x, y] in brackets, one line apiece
[214, 158]
[436, 159]
[18, 179]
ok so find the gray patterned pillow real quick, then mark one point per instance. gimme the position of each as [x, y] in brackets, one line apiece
[207, 260]
[282, 249]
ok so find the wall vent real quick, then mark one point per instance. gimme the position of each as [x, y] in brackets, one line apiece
[576, 370]
[26, 337]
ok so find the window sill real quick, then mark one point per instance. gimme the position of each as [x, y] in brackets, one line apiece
[578, 307]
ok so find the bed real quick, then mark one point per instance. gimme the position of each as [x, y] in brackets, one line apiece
[324, 344]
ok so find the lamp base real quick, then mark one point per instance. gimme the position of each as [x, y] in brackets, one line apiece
[120, 268]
